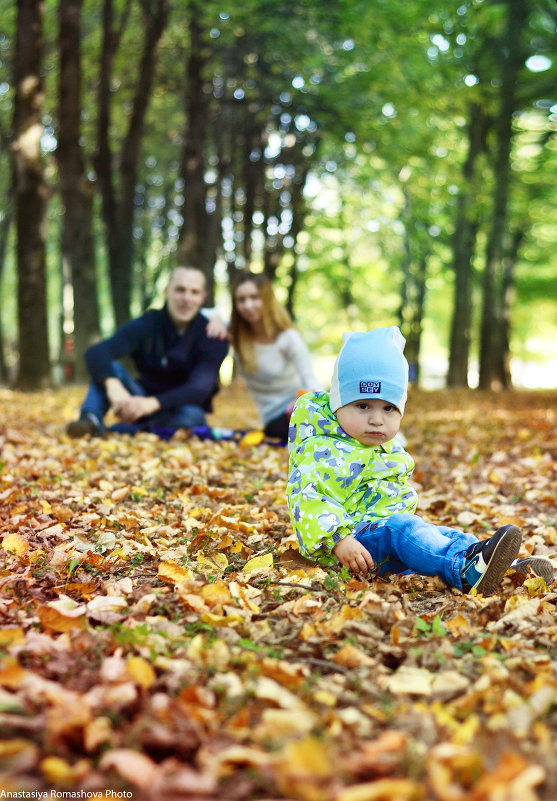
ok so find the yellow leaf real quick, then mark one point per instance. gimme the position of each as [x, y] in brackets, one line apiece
[11, 636]
[213, 563]
[264, 562]
[514, 602]
[251, 438]
[173, 573]
[58, 772]
[468, 730]
[236, 547]
[220, 620]
[383, 790]
[46, 507]
[303, 766]
[325, 697]
[536, 586]
[16, 544]
[15, 748]
[141, 671]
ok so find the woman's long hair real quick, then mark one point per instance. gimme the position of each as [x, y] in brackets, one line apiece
[275, 318]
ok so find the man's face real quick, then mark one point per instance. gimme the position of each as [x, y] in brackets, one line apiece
[185, 295]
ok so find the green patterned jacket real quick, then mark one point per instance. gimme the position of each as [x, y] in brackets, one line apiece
[335, 484]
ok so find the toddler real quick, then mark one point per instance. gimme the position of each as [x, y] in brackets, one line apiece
[349, 490]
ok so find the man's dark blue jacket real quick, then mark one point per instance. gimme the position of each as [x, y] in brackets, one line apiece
[178, 369]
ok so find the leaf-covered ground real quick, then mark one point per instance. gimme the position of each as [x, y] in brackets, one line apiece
[161, 638]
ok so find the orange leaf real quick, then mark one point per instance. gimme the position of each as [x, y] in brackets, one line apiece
[173, 573]
[458, 625]
[55, 620]
[352, 657]
[11, 673]
[216, 595]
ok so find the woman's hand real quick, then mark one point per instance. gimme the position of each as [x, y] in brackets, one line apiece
[353, 555]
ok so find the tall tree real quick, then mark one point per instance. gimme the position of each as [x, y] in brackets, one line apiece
[78, 247]
[494, 339]
[118, 182]
[30, 197]
[193, 245]
[464, 244]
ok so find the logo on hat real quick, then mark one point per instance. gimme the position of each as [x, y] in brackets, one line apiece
[371, 387]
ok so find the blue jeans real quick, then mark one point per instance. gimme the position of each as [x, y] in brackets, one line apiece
[96, 402]
[405, 542]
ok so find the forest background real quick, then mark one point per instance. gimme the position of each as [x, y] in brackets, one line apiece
[382, 162]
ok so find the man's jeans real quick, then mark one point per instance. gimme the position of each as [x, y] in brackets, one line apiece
[96, 402]
[405, 542]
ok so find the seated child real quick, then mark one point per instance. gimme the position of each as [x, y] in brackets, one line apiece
[349, 490]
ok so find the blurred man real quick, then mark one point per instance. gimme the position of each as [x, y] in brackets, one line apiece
[177, 366]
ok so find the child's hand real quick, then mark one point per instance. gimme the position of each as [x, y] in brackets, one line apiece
[353, 555]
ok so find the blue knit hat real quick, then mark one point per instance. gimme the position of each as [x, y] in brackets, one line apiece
[371, 364]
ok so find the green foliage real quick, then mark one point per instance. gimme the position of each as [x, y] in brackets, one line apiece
[364, 104]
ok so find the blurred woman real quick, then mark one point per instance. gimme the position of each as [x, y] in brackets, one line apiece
[272, 356]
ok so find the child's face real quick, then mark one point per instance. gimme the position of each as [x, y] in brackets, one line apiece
[371, 422]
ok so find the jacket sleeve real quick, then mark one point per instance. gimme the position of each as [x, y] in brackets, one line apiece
[125, 340]
[299, 355]
[314, 495]
[203, 378]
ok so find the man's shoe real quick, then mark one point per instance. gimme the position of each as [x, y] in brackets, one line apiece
[88, 423]
[539, 565]
[487, 561]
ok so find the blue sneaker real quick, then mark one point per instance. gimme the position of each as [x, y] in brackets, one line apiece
[487, 561]
[539, 565]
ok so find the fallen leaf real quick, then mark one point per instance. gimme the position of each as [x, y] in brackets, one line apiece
[15, 544]
[259, 563]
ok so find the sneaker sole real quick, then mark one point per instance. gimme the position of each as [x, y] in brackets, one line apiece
[505, 552]
[77, 429]
[541, 566]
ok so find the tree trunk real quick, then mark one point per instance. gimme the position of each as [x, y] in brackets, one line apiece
[413, 289]
[5, 226]
[30, 197]
[464, 241]
[193, 235]
[509, 263]
[118, 207]
[492, 326]
[298, 216]
[78, 248]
